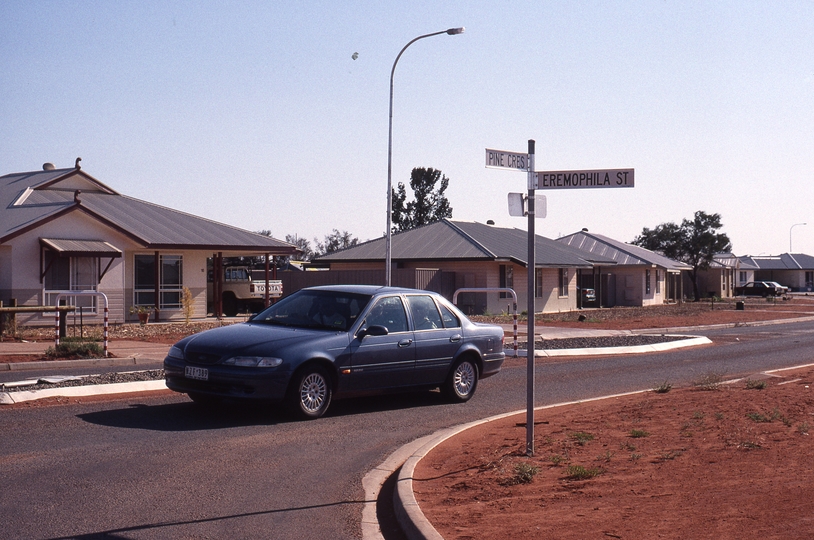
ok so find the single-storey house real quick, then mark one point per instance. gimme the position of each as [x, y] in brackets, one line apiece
[65, 234]
[720, 279]
[793, 270]
[639, 277]
[477, 255]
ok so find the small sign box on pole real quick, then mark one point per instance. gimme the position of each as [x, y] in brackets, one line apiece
[500, 159]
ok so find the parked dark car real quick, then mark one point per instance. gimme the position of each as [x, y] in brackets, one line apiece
[758, 288]
[325, 342]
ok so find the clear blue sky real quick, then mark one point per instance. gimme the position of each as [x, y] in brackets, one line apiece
[255, 114]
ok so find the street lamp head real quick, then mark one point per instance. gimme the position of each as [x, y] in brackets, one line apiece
[455, 31]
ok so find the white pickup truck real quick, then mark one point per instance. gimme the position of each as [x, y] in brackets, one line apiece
[242, 294]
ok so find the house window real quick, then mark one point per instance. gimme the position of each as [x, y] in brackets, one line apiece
[647, 281]
[506, 279]
[742, 277]
[66, 274]
[563, 282]
[538, 282]
[809, 279]
[171, 284]
[658, 281]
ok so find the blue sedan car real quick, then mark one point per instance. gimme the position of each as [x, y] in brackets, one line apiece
[338, 341]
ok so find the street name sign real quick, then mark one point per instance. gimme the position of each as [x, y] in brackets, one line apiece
[500, 159]
[588, 179]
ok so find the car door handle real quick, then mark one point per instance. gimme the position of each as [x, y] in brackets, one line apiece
[456, 338]
[405, 343]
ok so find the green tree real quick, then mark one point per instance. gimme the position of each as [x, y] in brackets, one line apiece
[306, 252]
[695, 242]
[334, 242]
[429, 203]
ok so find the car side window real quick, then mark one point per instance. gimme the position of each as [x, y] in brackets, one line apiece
[388, 312]
[450, 319]
[425, 314]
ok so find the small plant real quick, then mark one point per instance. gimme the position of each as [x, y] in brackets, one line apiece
[802, 429]
[524, 473]
[638, 433]
[606, 457]
[630, 447]
[671, 454]
[749, 445]
[139, 310]
[580, 437]
[187, 304]
[635, 457]
[578, 472]
[758, 417]
[719, 416]
[755, 385]
[663, 388]
[710, 381]
[556, 459]
[75, 349]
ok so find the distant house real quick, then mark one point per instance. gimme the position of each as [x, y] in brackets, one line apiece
[639, 276]
[63, 232]
[459, 254]
[793, 270]
[721, 278]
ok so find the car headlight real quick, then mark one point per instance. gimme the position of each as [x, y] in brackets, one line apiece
[176, 352]
[254, 361]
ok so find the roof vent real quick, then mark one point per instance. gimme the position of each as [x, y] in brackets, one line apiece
[48, 166]
[490, 222]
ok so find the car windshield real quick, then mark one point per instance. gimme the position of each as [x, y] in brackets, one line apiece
[332, 310]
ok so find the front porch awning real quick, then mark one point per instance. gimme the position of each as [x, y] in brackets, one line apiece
[64, 247]
[81, 248]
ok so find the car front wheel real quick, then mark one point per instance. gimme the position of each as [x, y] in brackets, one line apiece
[310, 395]
[462, 381]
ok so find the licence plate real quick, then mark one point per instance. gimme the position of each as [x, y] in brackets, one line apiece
[201, 374]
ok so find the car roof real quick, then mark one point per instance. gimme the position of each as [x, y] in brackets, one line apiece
[367, 289]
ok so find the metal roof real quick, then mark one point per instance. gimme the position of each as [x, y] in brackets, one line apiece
[784, 261]
[459, 240]
[30, 199]
[74, 248]
[622, 253]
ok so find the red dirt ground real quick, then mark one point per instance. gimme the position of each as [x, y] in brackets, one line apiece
[712, 461]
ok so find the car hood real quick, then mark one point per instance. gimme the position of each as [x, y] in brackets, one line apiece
[250, 336]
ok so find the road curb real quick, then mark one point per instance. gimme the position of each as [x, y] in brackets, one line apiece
[691, 341]
[9, 398]
[81, 363]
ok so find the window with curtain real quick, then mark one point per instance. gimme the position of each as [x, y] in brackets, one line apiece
[563, 282]
[67, 274]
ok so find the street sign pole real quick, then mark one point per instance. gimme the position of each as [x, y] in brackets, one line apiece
[532, 181]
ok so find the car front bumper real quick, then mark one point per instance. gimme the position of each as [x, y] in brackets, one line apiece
[228, 381]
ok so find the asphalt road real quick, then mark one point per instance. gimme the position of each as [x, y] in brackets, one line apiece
[158, 467]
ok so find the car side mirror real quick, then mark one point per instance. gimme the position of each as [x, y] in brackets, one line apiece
[374, 330]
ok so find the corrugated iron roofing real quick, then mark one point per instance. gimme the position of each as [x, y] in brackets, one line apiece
[784, 261]
[622, 253]
[459, 240]
[29, 199]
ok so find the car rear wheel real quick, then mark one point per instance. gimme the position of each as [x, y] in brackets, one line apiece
[310, 394]
[462, 381]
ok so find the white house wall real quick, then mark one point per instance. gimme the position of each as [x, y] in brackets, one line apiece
[25, 274]
[21, 280]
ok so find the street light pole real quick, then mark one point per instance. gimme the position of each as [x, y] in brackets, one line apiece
[388, 251]
[790, 228]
